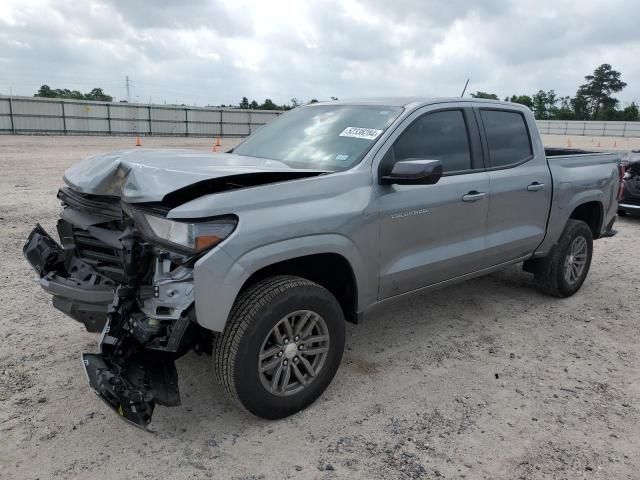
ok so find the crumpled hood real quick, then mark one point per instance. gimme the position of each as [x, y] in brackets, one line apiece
[147, 175]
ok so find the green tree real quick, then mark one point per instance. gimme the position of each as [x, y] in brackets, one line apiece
[565, 112]
[479, 94]
[544, 104]
[630, 113]
[244, 103]
[45, 91]
[98, 94]
[254, 105]
[313, 100]
[521, 99]
[95, 94]
[597, 92]
[580, 107]
[269, 105]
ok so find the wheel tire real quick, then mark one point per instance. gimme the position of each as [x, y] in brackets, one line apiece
[550, 271]
[253, 317]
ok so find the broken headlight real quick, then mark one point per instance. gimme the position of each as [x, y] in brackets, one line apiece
[190, 236]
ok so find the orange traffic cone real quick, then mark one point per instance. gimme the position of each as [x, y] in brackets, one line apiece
[138, 142]
[218, 142]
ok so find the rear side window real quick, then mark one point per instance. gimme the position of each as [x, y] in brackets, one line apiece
[507, 136]
[436, 136]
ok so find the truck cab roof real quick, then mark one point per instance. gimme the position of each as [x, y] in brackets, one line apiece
[415, 102]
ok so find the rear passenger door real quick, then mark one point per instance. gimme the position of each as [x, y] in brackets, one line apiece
[520, 185]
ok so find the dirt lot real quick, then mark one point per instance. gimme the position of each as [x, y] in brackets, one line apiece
[488, 379]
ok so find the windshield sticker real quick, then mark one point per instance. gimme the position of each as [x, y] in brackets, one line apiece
[359, 132]
[342, 157]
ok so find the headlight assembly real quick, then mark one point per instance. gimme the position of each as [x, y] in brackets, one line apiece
[190, 236]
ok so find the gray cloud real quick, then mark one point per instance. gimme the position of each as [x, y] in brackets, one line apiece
[183, 14]
[211, 52]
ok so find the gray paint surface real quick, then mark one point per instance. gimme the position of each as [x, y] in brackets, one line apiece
[148, 175]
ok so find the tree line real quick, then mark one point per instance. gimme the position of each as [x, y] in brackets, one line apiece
[95, 94]
[268, 104]
[593, 100]
[98, 94]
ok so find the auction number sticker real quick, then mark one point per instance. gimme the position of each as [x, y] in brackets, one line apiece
[359, 132]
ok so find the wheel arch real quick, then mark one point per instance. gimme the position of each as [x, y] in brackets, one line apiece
[220, 278]
[591, 213]
[330, 270]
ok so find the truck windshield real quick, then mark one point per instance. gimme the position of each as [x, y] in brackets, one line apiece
[323, 137]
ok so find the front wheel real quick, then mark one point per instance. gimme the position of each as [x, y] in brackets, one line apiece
[564, 270]
[281, 347]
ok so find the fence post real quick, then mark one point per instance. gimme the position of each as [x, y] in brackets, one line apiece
[64, 119]
[249, 112]
[149, 109]
[186, 121]
[220, 133]
[109, 117]
[13, 125]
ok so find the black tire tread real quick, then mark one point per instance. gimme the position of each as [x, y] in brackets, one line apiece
[547, 272]
[244, 311]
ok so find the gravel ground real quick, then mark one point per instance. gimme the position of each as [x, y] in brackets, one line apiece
[486, 379]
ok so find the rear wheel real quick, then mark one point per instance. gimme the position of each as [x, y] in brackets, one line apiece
[564, 270]
[281, 347]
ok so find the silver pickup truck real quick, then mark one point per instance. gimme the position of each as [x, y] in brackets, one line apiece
[259, 255]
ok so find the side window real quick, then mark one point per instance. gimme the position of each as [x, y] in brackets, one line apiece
[435, 136]
[507, 136]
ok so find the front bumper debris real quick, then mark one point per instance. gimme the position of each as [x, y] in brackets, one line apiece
[145, 324]
[84, 295]
[133, 388]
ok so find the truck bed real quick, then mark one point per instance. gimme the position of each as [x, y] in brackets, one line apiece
[564, 152]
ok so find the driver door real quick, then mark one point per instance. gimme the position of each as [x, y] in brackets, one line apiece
[433, 233]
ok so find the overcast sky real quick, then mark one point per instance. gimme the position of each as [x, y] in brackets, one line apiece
[216, 51]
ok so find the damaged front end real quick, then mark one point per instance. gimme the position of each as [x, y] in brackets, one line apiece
[106, 274]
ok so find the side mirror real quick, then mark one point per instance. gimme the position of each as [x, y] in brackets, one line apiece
[413, 172]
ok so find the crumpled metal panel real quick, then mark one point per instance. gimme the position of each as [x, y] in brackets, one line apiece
[147, 175]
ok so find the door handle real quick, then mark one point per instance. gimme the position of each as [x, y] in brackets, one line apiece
[473, 196]
[535, 186]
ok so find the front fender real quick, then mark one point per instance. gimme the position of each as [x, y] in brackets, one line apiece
[218, 277]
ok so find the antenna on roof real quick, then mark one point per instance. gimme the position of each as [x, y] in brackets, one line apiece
[464, 89]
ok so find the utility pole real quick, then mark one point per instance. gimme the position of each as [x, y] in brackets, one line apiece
[13, 124]
[126, 82]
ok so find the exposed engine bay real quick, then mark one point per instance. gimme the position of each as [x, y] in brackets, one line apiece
[137, 294]
[125, 268]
